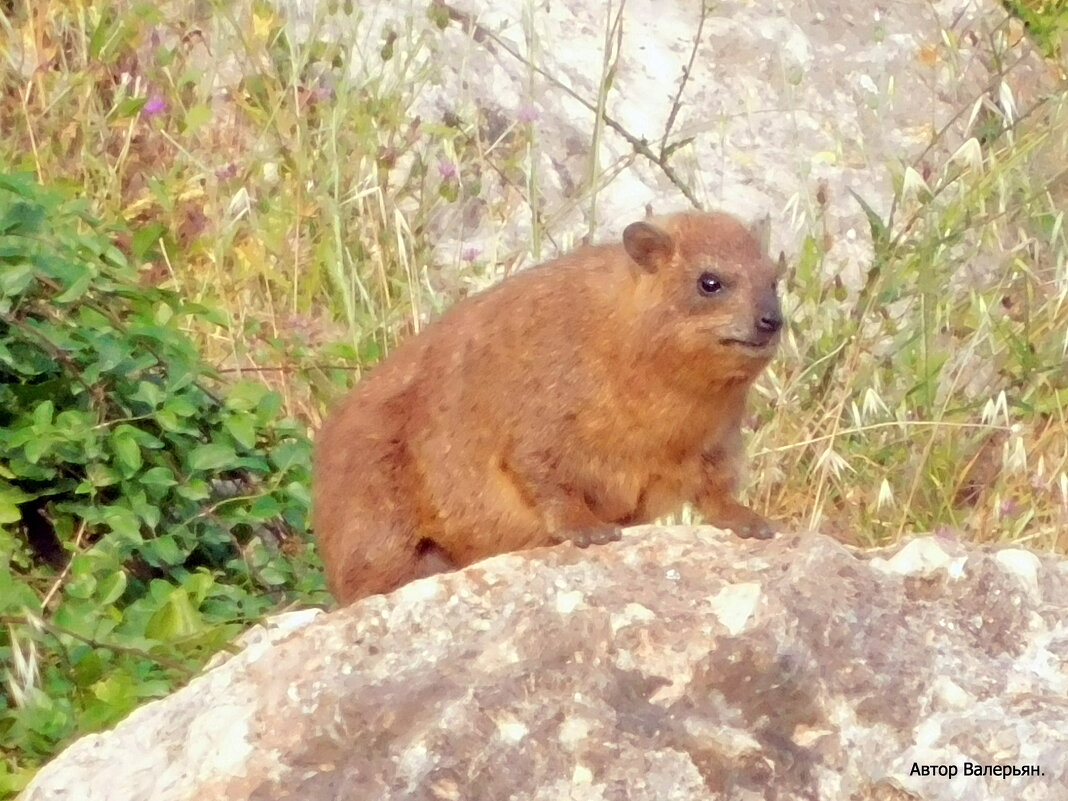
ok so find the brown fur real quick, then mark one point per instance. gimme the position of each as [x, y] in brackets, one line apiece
[598, 390]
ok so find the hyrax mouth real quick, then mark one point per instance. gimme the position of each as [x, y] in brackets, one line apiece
[750, 344]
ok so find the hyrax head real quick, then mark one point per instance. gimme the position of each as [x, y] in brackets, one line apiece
[713, 286]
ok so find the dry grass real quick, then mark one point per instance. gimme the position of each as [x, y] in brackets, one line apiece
[936, 400]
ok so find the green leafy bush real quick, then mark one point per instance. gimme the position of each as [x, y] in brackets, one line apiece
[147, 512]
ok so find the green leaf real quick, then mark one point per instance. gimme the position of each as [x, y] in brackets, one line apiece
[163, 552]
[197, 117]
[43, 413]
[14, 778]
[177, 618]
[23, 184]
[879, 231]
[180, 405]
[78, 615]
[123, 523]
[111, 588]
[89, 668]
[10, 498]
[74, 424]
[117, 696]
[130, 106]
[144, 238]
[242, 427]
[149, 393]
[9, 512]
[78, 284]
[212, 456]
[69, 272]
[36, 448]
[81, 587]
[101, 475]
[116, 690]
[15, 595]
[198, 585]
[268, 407]
[138, 499]
[194, 489]
[274, 574]
[15, 279]
[265, 507]
[298, 492]
[127, 451]
[100, 35]
[289, 453]
[168, 421]
[245, 395]
[22, 219]
[158, 477]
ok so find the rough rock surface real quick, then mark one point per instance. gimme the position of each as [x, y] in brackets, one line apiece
[677, 664]
[785, 107]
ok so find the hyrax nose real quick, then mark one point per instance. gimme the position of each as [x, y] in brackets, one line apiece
[767, 315]
[770, 322]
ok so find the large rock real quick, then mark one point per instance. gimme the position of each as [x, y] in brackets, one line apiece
[785, 108]
[677, 664]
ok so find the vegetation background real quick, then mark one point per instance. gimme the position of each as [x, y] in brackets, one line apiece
[188, 277]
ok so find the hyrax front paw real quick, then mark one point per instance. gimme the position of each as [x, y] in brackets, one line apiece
[758, 529]
[595, 535]
[747, 524]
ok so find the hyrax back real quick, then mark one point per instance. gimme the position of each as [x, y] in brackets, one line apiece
[602, 389]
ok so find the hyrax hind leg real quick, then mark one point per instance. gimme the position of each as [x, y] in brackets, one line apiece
[380, 561]
[562, 510]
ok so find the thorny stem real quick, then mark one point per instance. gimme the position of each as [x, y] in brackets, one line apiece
[676, 103]
[488, 38]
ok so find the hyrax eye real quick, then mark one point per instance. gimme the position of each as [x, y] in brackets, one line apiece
[709, 284]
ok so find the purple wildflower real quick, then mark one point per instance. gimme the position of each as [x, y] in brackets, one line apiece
[470, 253]
[153, 106]
[320, 94]
[1008, 507]
[447, 169]
[527, 114]
[944, 532]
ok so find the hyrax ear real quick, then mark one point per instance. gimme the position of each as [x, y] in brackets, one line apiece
[648, 245]
[761, 231]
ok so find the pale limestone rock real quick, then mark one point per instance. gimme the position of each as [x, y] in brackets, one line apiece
[782, 99]
[677, 664]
